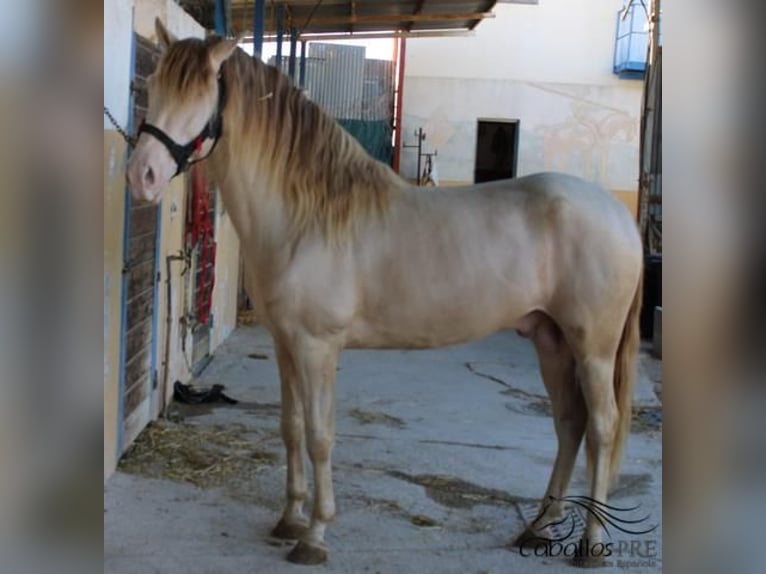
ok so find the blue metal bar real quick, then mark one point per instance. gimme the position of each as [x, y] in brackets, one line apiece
[219, 17]
[259, 16]
[293, 54]
[280, 33]
[302, 66]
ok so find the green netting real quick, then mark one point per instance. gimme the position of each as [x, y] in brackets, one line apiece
[374, 135]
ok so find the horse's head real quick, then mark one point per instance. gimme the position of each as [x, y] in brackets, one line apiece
[183, 121]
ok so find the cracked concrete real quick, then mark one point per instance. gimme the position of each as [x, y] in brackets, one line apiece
[439, 456]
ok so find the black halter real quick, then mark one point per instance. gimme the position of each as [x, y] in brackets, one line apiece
[181, 153]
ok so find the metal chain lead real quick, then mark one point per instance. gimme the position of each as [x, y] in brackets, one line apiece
[122, 132]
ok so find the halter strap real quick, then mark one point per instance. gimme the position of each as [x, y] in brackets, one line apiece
[181, 153]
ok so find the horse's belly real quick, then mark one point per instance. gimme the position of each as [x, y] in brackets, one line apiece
[405, 328]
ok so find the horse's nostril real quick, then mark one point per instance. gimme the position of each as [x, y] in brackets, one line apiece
[149, 176]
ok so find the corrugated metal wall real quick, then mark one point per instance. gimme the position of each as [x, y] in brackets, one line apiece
[345, 89]
[357, 92]
[378, 90]
[339, 81]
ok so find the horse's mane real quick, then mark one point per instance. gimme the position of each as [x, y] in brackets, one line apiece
[326, 177]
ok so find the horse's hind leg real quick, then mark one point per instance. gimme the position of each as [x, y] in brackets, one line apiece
[597, 376]
[557, 367]
[293, 523]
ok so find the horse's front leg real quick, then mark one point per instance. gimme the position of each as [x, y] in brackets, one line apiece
[316, 361]
[293, 523]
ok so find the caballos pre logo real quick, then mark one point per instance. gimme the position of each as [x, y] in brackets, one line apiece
[564, 533]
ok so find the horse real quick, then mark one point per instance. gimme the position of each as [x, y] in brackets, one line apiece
[347, 254]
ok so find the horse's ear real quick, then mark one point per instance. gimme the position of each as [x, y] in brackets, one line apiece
[220, 51]
[164, 37]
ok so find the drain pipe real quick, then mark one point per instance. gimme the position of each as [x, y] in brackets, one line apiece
[179, 256]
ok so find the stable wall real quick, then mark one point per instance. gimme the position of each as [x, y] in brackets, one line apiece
[226, 278]
[117, 42]
[118, 29]
[178, 22]
[548, 65]
[114, 213]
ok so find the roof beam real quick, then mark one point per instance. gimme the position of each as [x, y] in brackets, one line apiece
[382, 19]
[390, 18]
[310, 37]
[418, 10]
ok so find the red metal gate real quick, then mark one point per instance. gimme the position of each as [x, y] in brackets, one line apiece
[200, 242]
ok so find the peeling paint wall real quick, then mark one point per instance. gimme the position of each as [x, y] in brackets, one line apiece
[119, 17]
[547, 65]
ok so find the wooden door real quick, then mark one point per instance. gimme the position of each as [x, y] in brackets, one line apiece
[138, 374]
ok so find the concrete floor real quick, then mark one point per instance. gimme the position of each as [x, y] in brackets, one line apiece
[470, 415]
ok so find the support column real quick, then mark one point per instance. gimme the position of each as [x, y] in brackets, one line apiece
[293, 54]
[259, 14]
[280, 33]
[302, 66]
[219, 17]
[400, 59]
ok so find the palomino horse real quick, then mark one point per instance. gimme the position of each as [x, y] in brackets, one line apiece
[346, 254]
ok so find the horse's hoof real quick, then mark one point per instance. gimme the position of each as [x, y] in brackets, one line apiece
[530, 539]
[588, 561]
[308, 554]
[289, 531]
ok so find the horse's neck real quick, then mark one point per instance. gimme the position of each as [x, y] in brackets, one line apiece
[247, 183]
[257, 212]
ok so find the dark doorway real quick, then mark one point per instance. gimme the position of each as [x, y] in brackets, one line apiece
[497, 149]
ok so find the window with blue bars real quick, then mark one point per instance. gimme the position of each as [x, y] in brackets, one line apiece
[631, 42]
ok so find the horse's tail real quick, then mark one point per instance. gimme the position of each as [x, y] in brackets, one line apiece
[625, 375]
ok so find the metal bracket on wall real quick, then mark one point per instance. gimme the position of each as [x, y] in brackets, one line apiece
[421, 137]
